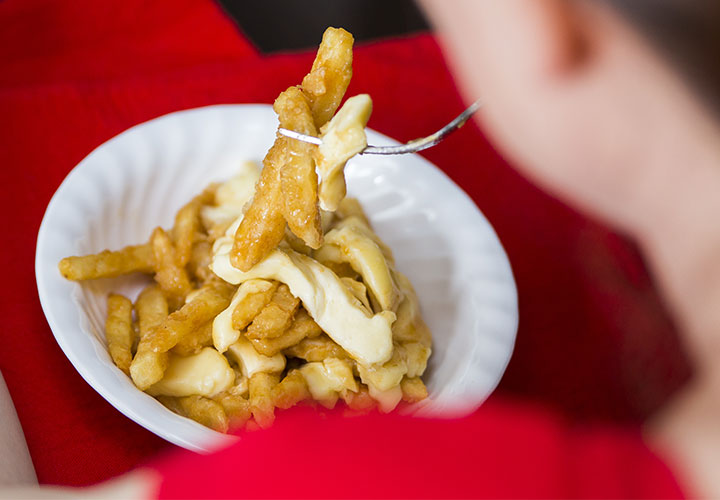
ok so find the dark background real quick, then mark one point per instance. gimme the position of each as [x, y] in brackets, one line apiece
[280, 25]
[687, 32]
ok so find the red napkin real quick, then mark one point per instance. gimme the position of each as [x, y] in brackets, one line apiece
[594, 339]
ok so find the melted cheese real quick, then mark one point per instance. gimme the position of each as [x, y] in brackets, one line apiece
[367, 337]
[351, 242]
[387, 400]
[328, 379]
[231, 196]
[206, 373]
[251, 361]
[408, 359]
[223, 332]
[343, 137]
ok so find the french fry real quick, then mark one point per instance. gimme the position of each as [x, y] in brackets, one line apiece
[250, 306]
[170, 275]
[119, 331]
[183, 232]
[187, 224]
[206, 304]
[298, 179]
[316, 349]
[237, 408]
[413, 389]
[194, 341]
[107, 264]
[262, 405]
[330, 75]
[263, 225]
[302, 326]
[291, 390]
[276, 317]
[200, 259]
[204, 411]
[151, 309]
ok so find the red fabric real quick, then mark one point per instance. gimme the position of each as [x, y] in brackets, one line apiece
[502, 451]
[594, 339]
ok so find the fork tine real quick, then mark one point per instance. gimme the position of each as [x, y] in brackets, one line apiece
[410, 147]
[426, 142]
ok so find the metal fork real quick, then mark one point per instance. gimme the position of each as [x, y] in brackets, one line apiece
[410, 147]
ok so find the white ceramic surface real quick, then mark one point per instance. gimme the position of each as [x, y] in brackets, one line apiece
[138, 180]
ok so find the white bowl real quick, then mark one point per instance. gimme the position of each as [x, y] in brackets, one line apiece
[139, 179]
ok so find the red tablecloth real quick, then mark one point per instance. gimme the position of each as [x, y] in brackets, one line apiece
[594, 339]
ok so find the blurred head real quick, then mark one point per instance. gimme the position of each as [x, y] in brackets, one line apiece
[578, 99]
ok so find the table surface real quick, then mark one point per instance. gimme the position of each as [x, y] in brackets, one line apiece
[75, 74]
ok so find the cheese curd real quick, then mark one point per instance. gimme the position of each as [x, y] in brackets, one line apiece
[329, 379]
[342, 138]
[252, 362]
[224, 335]
[231, 196]
[206, 373]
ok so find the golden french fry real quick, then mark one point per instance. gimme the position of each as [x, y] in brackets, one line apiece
[187, 224]
[316, 349]
[330, 75]
[298, 179]
[291, 390]
[262, 405]
[237, 408]
[276, 317]
[151, 309]
[263, 225]
[194, 341]
[207, 303]
[107, 264]
[250, 306]
[119, 331]
[413, 389]
[200, 409]
[200, 259]
[302, 326]
[171, 403]
[171, 276]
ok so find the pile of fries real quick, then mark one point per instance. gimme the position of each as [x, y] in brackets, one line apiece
[272, 288]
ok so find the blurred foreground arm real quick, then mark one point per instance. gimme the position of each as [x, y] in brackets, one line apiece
[17, 474]
[16, 468]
